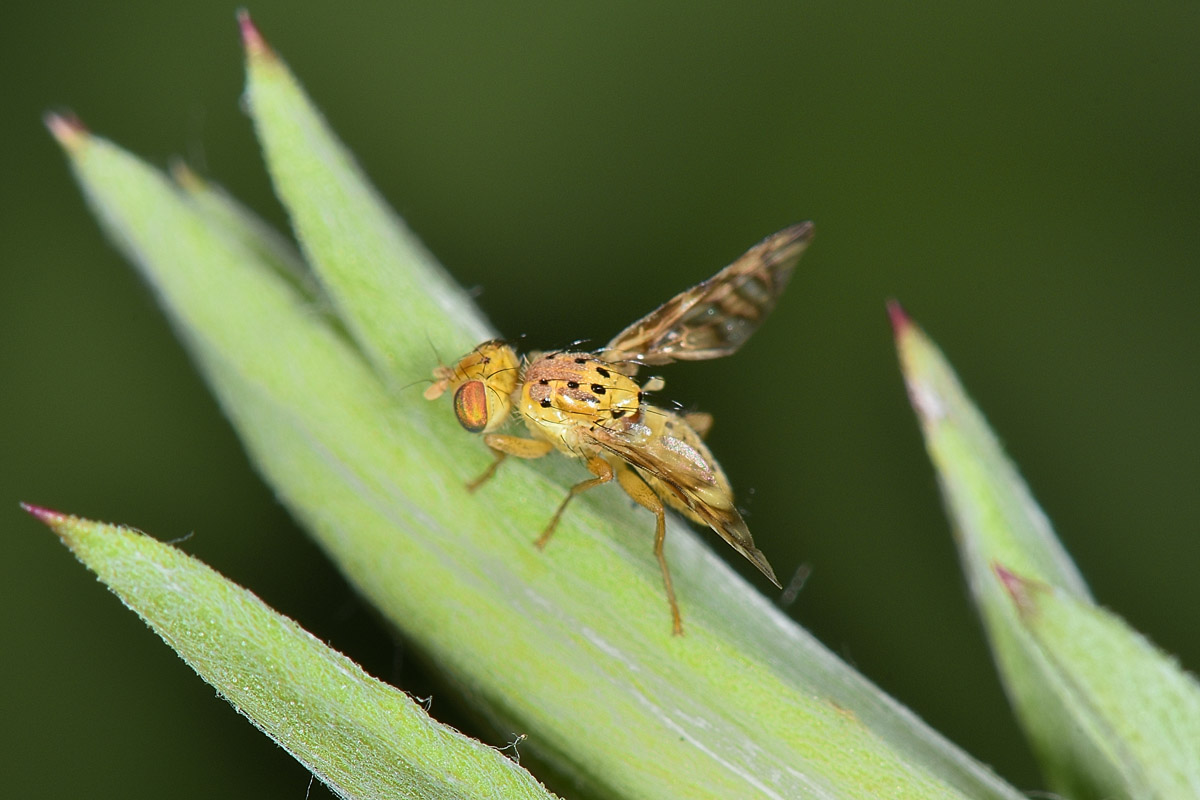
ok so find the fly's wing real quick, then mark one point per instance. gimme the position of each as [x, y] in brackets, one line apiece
[676, 462]
[713, 318]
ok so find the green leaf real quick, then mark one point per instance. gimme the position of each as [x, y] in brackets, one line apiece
[387, 287]
[224, 212]
[360, 736]
[1108, 715]
[572, 645]
[1133, 701]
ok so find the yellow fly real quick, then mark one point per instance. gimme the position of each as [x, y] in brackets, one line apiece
[588, 405]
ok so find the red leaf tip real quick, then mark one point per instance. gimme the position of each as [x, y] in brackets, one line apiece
[1023, 591]
[45, 515]
[252, 40]
[66, 128]
[1014, 585]
[898, 316]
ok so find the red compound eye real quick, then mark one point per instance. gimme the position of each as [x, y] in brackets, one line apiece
[470, 406]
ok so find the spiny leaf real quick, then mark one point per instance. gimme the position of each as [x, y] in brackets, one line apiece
[363, 738]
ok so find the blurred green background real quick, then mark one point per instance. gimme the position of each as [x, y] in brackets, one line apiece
[1023, 177]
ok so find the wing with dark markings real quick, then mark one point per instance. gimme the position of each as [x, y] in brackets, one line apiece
[716, 317]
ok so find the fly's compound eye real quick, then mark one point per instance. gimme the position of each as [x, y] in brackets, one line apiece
[470, 406]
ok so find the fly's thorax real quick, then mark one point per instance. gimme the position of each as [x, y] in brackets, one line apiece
[574, 388]
[483, 382]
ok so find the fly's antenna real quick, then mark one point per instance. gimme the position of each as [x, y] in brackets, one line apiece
[442, 375]
[408, 386]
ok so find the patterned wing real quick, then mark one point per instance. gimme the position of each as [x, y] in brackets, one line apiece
[713, 318]
[670, 456]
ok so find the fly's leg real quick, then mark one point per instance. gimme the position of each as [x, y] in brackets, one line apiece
[503, 446]
[603, 472]
[644, 496]
[489, 472]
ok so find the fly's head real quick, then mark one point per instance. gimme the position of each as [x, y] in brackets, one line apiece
[483, 382]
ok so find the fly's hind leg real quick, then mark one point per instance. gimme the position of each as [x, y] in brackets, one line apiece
[603, 472]
[644, 496]
[504, 446]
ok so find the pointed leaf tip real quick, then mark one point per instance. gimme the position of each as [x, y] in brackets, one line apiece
[898, 316]
[252, 40]
[1021, 590]
[66, 129]
[1011, 582]
[46, 515]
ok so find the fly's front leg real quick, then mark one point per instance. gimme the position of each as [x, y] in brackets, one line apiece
[603, 472]
[644, 496]
[503, 446]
